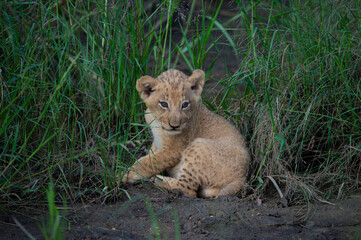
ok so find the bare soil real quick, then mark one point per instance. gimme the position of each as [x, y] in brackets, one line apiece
[151, 211]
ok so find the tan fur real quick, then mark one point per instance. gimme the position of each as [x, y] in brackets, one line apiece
[203, 153]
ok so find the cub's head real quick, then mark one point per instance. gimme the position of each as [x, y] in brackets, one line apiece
[172, 97]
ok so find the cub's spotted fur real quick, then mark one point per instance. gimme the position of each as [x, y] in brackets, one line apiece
[202, 152]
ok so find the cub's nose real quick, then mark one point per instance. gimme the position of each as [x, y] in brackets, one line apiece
[174, 127]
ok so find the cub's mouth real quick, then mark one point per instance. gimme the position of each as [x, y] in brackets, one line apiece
[172, 132]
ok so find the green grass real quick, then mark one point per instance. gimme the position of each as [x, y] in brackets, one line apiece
[68, 93]
[70, 111]
[53, 226]
[302, 70]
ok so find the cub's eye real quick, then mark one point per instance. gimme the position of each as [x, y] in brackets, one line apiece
[185, 105]
[163, 104]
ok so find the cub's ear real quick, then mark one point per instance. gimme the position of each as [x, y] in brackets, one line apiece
[197, 81]
[146, 86]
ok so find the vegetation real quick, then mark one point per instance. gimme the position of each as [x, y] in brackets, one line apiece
[71, 116]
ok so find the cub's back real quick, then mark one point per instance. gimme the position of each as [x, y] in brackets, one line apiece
[213, 126]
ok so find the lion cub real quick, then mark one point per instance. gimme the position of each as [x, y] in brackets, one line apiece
[202, 152]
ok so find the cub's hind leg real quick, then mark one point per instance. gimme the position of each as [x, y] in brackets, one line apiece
[208, 192]
[232, 188]
[220, 167]
[229, 189]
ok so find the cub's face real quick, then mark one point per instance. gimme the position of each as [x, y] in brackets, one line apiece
[172, 97]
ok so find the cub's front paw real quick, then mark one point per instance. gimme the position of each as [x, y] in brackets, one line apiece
[130, 177]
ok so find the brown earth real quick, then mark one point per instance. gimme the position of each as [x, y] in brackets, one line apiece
[172, 215]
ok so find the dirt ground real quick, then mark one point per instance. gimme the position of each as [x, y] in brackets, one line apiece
[153, 213]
